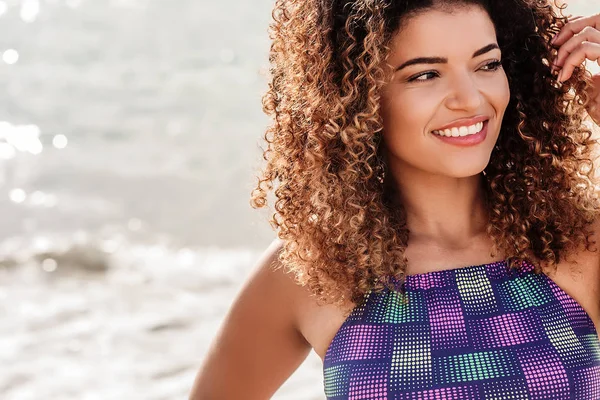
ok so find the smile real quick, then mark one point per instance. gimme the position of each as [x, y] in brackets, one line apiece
[465, 135]
[461, 131]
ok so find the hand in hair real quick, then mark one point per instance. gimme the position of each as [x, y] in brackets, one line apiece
[577, 41]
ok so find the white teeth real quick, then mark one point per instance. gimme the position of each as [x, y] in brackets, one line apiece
[462, 131]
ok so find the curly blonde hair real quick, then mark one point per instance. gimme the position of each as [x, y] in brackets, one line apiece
[343, 228]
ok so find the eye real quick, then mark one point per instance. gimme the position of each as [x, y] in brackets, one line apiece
[493, 66]
[490, 67]
[416, 78]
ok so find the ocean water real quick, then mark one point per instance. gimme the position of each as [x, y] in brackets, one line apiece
[130, 137]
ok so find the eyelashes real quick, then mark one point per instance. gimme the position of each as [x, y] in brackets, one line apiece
[492, 67]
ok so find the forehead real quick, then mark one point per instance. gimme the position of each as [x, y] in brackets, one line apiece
[443, 33]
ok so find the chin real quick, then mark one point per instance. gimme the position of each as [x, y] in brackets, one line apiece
[466, 171]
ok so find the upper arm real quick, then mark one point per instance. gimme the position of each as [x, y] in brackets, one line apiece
[259, 344]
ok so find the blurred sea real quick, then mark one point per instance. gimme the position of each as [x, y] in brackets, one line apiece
[130, 135]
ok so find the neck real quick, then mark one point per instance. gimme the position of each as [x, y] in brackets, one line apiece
[441, 210]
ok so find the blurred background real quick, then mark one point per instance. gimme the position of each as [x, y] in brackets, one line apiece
[130, 138]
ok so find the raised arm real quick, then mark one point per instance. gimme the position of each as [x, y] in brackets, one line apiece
[259, 344]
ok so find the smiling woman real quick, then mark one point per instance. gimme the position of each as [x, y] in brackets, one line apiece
[436, 207]
[432, 101]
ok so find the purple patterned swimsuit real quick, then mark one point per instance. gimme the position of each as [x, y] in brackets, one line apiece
[471, 333]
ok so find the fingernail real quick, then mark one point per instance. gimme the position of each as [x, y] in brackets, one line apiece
[559, 77]
[553, 39]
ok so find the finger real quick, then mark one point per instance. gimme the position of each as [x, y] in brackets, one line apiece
[575, 26]
[588, 34]
[587, 50]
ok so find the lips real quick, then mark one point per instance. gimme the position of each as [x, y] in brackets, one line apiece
[465, 141]
[463, 122]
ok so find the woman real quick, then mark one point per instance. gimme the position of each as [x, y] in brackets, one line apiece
[436, 206]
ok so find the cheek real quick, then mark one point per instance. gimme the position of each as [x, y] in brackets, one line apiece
[406, 118]
[408, 113]
[502, 97]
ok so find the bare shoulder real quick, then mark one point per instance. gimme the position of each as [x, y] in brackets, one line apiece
[579, 275]
[591, 264]
[586, 263]
[272, 274]
[259, 344]
[587, 275]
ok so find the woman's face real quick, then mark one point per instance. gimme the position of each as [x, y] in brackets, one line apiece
[445, 72]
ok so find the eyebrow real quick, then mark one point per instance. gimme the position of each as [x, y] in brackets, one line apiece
[442, 60]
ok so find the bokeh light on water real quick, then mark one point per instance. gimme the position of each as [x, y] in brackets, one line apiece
[10, 56]
[129, 134]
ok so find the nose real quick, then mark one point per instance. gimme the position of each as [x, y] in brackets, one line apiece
[464, 93]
